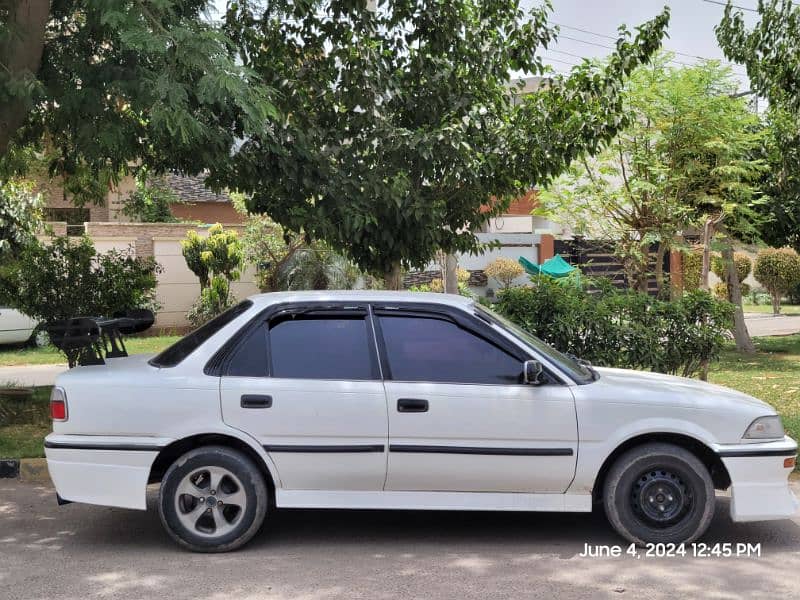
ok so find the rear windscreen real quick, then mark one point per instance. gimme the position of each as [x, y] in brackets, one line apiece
[186, 345]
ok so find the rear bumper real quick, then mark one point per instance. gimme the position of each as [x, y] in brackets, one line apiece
[759, 481]
[108, 471]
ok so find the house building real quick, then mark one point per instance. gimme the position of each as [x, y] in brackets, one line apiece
[195, 203]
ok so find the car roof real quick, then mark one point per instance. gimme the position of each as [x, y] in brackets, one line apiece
[264, 300]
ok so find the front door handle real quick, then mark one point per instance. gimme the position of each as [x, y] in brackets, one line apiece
[409, 405]
[256, 401]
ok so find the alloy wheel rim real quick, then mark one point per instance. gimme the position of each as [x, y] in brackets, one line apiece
[210, 501]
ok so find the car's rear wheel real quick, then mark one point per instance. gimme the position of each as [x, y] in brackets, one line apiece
[659, 493]
[213, 499]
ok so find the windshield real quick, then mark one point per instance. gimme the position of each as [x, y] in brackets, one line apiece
[578, 372]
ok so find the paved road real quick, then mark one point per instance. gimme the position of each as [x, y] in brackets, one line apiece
[760, 325]
[83, 552]
[29, 375]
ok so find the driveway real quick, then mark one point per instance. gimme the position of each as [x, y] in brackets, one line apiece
[85, 552]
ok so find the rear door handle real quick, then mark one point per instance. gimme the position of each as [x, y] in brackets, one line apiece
[256, 401]
[408, 405]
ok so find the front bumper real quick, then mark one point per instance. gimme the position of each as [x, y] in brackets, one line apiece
[759, 481]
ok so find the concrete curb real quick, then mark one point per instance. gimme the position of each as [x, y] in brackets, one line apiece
[32, 470]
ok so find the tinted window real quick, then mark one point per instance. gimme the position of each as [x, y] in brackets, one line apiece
[249, 359]
[321, 348]
[430, 349]
[186, 345]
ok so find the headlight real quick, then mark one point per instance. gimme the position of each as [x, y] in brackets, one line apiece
[765, 428]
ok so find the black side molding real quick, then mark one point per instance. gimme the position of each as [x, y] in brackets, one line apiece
[480, 450]
[317, 449]
[740, 453]
[120, 447]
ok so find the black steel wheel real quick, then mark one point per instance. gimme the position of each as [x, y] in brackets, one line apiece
[659, 493]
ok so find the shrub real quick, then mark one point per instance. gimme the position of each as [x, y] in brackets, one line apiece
[213, 300]
[68, 279]
[504, 270]
[437, 285]
[778, 270]
[216, 261]
[743, 266]
[691, 268]
[622, 329]
[721, 290]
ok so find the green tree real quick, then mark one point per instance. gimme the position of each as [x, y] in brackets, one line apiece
[105, 85]
[399, 124]
[770, 52]
[685, 158]
[150, 201]
[778, 270]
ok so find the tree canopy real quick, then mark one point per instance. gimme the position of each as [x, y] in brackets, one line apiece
[399, 126]
[770, 52]
[686, 156]
[104, 86]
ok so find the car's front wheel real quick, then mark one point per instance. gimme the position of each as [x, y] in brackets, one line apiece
[659, 493]
[213, 499]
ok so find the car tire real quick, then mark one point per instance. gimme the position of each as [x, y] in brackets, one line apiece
[659, 493]
[204, 519]
[39, 338]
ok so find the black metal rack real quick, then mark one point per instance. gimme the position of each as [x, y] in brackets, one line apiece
[91, 340]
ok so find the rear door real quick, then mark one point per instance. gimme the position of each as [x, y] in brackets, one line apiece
[460, 418]
[306, 383]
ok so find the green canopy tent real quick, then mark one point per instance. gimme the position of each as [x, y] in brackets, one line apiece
[554, 267]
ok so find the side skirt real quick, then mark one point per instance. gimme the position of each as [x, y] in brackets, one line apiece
[393, 500]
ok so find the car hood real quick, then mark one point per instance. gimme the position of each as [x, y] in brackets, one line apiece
[645, 386]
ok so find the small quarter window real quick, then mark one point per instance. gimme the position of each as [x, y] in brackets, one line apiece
[249, 359]
[178, 351]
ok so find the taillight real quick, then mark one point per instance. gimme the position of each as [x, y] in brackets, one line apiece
[58, 404]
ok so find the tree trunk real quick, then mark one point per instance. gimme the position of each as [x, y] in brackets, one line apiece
[708, 235]
[740, 333]
[393, 278]
[450, 274]
[776, 302]
[21, 57]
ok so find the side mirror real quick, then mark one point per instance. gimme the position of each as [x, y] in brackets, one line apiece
[531, 372]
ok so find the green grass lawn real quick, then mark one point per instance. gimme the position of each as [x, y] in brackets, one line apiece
[11, 356]
[786, 309]
[24, 421]
[772, 375]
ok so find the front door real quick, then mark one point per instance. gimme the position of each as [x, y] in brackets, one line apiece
[460, 418]
[306, 384]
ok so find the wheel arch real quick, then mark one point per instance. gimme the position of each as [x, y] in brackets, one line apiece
[711, 460]
[170, 453]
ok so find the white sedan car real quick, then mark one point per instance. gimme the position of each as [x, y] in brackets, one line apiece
[388, 400]
[17, 328]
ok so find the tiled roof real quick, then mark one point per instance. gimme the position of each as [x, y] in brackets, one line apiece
[192, 189]
[523, 205]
